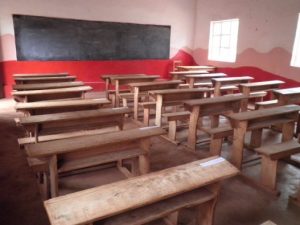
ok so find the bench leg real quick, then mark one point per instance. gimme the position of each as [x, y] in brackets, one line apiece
[146, 116]
[135, 167]
[268, 172]
[256, 136]
[192, 133]
[288, 131]
[144, 161]
[172, 130]
[215, 121]
[172, 218]
[215, 146]
[238, 144]
[53, 176]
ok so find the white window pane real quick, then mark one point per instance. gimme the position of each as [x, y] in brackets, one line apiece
[217, 28]
[226, 27]
[296, 49]
[216, 42]
[225, 41]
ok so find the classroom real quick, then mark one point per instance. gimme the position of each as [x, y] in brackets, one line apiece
[139, 112]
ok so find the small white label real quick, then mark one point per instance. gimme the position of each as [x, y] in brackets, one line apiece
[212, 162]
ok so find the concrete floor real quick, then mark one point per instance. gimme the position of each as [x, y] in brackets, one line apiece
[239, 202]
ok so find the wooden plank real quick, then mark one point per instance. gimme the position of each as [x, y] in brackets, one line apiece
[67, 116]
[189, 68]
[79, 143]
[279, 150]
[64, 74]
[23, 87]
[31, 80]
[52, 91]
[155, 85]
[161, 209]
[232, 80]
[250, 115]
[101, 202]
[263, 85]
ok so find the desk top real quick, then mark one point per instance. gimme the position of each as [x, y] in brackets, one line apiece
[47, 85]
[101, 202]
[228, 79]
[158, 83]
[62, 78]
[143, 77]
[215, 100]
[178, 91]
[263, 83]
[208, 68]
[188, 72]
[41, 75]
[274, 111]
[66, 116]
[108, 76]
[63, 146]
[209, 75]
[60, 103]
[52, 91]
[287, 91]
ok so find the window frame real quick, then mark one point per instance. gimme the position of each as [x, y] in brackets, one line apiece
[295, 60]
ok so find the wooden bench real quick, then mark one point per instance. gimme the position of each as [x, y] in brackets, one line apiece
[57, 123]
[192, 79]
[51, 94]
[92, 150]
[65, 74]
[38, 80]
[255, 121]
[179, 75]
[157, 194]
[266, 86]
[47, 107]
[266, 104]
[193, 68]
[138, 88]
[217, 134]
[25, 87]
[224, 81]
[270, 154]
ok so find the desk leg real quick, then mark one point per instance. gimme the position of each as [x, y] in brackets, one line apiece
[238, 143]
[159, 101]
[117, 92]
[53, 176]
[136, 103]
[191, 82]
[288, 131]
[244, 102]
[106, 87]
[256, 136]
[144, 161]
[192, 134]
[217, 90]
[215, 121]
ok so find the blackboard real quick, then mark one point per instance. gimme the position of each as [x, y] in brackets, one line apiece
[43, 38]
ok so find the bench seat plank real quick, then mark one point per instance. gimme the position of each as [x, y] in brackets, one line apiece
[160, 209]
[280, 150]
[64, 74]
[79, 143]
[101, 202]
[24, 87]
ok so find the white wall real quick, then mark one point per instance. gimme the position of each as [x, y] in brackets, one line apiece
[180, 14]
[266, 32]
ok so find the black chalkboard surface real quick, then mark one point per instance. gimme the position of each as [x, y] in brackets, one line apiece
[43, 38]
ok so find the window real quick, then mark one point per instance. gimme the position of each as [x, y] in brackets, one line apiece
[296, 49]
[223, 40]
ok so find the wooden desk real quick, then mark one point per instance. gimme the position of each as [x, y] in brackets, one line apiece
[46, 107]
[174, 95]
[246, 89]
[38, 80]
[287, 95]
[26, 87]
[207, 68]
[136, 88]
[107, 78]
[41, 75]
[219, 82]
[209, 107]
[88, 206]
[125, 80]
[86, 151]
[69, 121]
[51, 94]
[176, 75]
[190, 79]
[256, 121]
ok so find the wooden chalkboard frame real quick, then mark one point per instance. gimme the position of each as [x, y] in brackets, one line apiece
[56, 39]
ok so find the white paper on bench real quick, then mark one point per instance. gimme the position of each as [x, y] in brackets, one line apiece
[212, 162]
